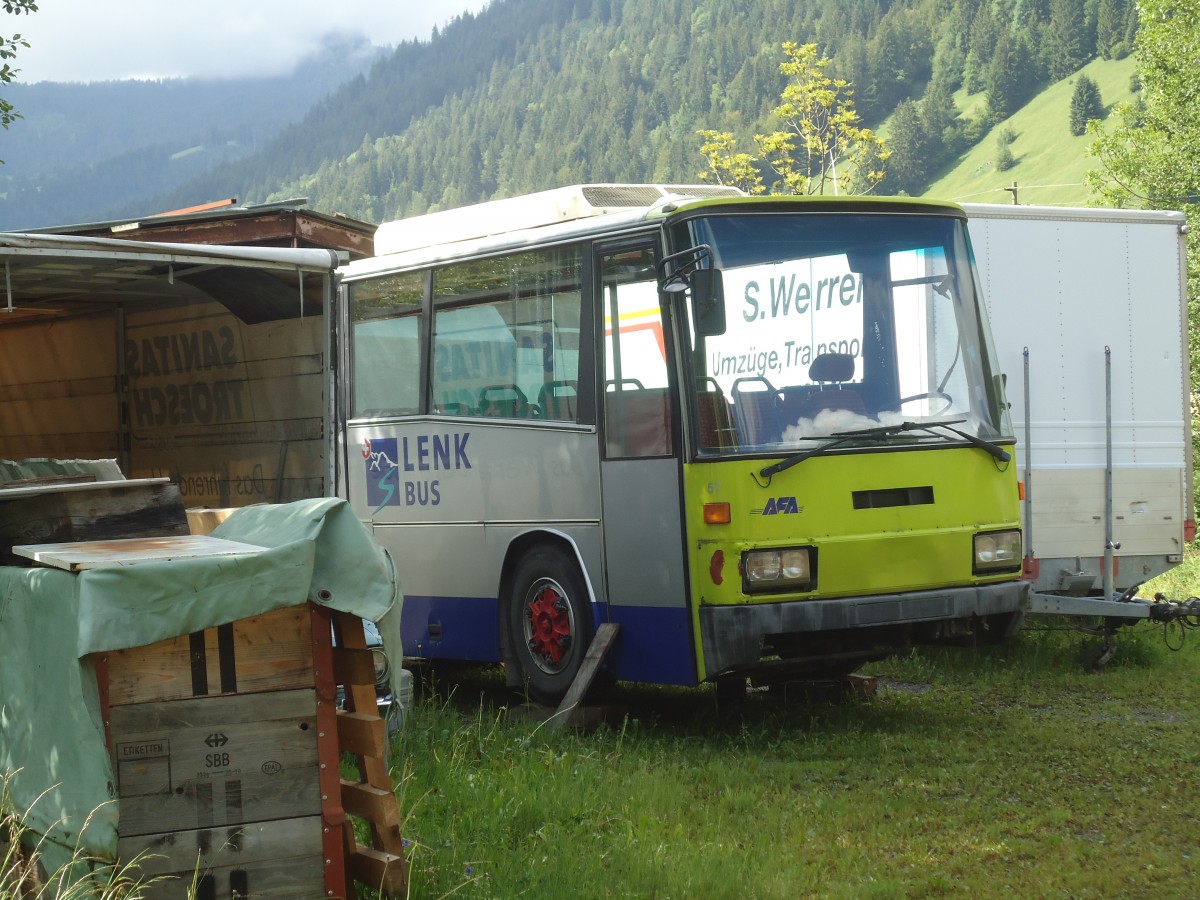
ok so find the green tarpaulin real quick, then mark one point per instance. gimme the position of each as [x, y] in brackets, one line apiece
[52, 742]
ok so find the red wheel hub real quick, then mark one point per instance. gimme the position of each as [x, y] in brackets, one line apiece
[549, 625]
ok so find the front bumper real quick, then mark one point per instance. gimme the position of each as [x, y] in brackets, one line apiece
[733, 636]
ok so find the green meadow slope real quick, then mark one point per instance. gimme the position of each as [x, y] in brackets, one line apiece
[1050, 162]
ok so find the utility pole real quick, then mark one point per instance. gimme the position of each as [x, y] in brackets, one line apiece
[1013, 190]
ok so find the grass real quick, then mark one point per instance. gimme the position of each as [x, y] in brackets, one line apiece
[22, 875]
[1050, 161]
[1003, 772]
[1006, 771]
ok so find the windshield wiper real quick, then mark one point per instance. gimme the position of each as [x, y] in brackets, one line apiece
[796, 458]
[838, 438]
[975, 440]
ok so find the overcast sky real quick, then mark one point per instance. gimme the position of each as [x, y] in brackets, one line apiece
[98, 40]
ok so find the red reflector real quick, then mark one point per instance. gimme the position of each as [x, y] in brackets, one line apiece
[716, 567]
[1189, 530]
[1030, 568]
[716, 514]
[1020, 490]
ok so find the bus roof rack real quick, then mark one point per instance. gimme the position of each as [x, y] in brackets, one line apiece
[531, 211]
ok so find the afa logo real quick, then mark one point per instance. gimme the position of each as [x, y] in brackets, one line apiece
[379, 458]
[779, 506]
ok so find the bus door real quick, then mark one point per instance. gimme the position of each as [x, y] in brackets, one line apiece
[639, 473]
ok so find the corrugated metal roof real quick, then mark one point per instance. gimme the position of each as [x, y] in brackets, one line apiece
[198, 215]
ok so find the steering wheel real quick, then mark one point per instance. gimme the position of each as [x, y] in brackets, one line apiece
[929, 395]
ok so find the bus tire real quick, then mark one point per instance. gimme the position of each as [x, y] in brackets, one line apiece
[549, 622]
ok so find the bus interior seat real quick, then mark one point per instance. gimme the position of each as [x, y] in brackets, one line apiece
[504, 401]
[455, 408]
[637, 421]
[558, 400]
[756, 410]
[829, 372]
[715, 421]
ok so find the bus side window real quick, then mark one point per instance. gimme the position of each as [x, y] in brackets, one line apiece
[506, 336]
[385, 343]
[637, 405]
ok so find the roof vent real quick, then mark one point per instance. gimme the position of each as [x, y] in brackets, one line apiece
[530, 211]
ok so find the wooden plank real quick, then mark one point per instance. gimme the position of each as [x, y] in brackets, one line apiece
[606, 634]
[372, 803]
[216, 761]
[353, 666]
[348, 628]
[58, 389]
[76, 556]
[379, 870]
[43, 480]
[275, 860]
[67, 484]
[362, 734]
[270, 652]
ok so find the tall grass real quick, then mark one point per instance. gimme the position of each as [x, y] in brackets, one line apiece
[82, 878]
[1007, 771]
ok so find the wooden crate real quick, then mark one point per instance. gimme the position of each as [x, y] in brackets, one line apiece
[216, 761]
[271, 652]
[224, 745]
[277, 860]
[235, 730]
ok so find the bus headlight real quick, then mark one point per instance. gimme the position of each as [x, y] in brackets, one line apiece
[781, 569]
[997, 551]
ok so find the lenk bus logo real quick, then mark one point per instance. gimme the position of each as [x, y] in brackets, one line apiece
[385, 459]
[379, 456]
[779, 506]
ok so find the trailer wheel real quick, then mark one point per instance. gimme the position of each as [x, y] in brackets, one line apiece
[549, 622]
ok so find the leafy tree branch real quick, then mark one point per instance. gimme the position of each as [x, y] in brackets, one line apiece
[8, 51]
[821, 145]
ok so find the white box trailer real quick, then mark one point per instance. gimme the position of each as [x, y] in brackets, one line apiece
[1089, 313]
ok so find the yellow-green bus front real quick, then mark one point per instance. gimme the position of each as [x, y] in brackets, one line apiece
[849, 489]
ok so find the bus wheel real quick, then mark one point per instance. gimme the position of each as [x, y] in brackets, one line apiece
[549, 621]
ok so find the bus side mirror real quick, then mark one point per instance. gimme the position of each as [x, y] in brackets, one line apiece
[708, 301]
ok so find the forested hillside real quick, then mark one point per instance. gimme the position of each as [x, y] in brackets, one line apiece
[598, 90]
[531, 94]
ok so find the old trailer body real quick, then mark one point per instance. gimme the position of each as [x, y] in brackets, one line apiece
[1089, 312]
[203, 364]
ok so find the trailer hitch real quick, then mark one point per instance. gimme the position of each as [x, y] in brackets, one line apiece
[1186, 612]
[1126, 609]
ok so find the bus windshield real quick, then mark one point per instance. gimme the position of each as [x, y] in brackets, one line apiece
[838, 323]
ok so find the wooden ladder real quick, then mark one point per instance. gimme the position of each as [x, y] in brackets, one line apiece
[363, 734]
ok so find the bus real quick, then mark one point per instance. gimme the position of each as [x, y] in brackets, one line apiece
[765, 436]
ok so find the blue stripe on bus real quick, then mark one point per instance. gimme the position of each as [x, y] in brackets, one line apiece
[653, 646]
[469, 628]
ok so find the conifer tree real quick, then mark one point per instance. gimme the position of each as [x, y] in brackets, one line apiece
[1085, 105]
